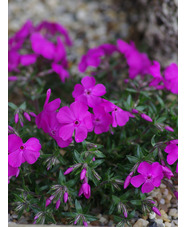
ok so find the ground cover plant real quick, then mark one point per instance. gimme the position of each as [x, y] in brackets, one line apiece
[103, 137]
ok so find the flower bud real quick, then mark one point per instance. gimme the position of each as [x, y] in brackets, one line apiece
[32, 114]
[135, 111]
[48, 202]
[125, 211]
[127, 180]
[83, 174]
[93, 159]
[27, 116]
[69, 170]
[65, 197]
[176, 194]
[146, 117]
[58, 204]
[155, 209]
[16, 118]
[21, 123]
[85, 223]
[168, 128]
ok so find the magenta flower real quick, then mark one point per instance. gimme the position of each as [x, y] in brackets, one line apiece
[119, 116]
[138, 62]
[101, 120]
[75, 118]
[94, 55]
[172, 150]
[65, 197]
[42, 46]
[48, 108]
[154, 70]
[53, 28]
[48, 122]
[13, 171]
[83, 174]
[28, 59]
[171, 78]
[150, 176]
[167, 172]
[59, 69]
[86, 190]
[88, 92]
[13, 60]
[20, 152]
[146, 117]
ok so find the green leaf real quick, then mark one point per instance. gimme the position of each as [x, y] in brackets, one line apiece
[23, 106]
[78, 207]
[115, 199]
[12, 105]
[161, 120]
[61, 178]
[136, 202]
[153, 141]
[77, 157]
[132, 159]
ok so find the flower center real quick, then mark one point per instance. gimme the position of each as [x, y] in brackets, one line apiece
[53, 132]
[22, 147]
[149, 177]
[88, 91]
[76, 122]
[115, 109]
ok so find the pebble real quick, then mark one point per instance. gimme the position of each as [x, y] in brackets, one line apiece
[167, 224]
[163, 216]
[152, 215]
[162, 201]
[103, 220]
[173, 212]
[141, 223]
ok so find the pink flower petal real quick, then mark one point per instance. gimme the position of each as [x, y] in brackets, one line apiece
[157, 181]
[54, 105]
[144, 168]
[65, 115]
[156, 169]
[88, 82]
[93, 100]
[122, 117]
[15, 158]
[99, 90]
[79, 109]
[32, 144]
[78, 90]
[31, 156]
[80, 134]
[14, 142]
[147, 187]
[172, 157]
[137, 181]
[66, 131]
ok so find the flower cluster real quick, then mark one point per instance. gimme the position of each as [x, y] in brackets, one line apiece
[45, 43]
[138, 64]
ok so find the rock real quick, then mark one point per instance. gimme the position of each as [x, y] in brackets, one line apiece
[103, 220]
[162, 186]
[169, 197]
[173, 212]
[141, 223]
[163, 207]
[162, 201]
[163, 216]
[160, 223]
[175, 222]
[152, 224]
[152, 215]
[167, 224]
[15, 216]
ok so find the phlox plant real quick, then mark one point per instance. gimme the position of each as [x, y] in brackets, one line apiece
[95, 141]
